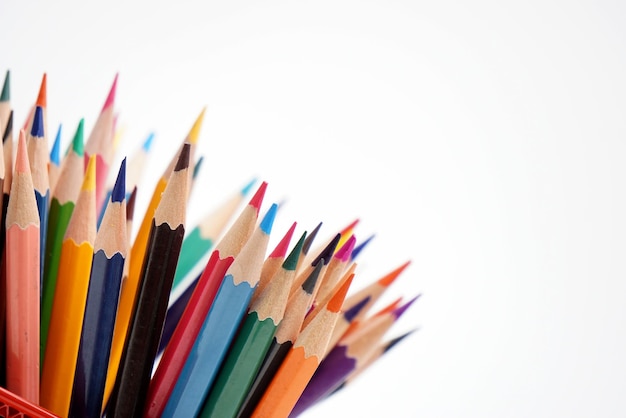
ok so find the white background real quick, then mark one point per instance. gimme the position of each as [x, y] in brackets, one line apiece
[483, 141]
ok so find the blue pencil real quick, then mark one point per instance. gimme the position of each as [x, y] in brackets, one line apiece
[220, 325]
[39, 159]
[110, 248]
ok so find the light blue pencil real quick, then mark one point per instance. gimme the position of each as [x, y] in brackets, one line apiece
[220, 325]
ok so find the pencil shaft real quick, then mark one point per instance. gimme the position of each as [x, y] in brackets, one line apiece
[184, 335]
[59, 218]
[208, 351]
[239, 368]
[96, 335]
[274, 357]
[131, 387]
[65, 326]
[23, 295]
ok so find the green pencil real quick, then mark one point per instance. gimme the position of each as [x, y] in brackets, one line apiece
[252, 342]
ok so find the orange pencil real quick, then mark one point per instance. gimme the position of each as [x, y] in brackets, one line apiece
[23, 288]
[301, 362]
[68, 304]
[42, 101]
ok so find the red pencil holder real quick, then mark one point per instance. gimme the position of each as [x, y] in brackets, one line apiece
[13, 406]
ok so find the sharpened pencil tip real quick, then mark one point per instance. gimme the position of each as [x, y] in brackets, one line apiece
[89, 182]
[309, 240]
[183, 159]
[281, 249]
[246, 189]
[358, 248]
[111, 96]
[119, 189]
[194, 133]
[78, 144]
[351, 313]
[268, 219]
[336, 302]
[257, 199]
[344, 252]
[309, 284]
[393, 275]
[402, 309]
[55, 152]
[21, 160]
[327, 253]
[8, 129]
[37, 129]
[5, 96]
[42, 97]
[147, 144]
[291, 262]
[393, 342]
[130, 205]
[197, 166]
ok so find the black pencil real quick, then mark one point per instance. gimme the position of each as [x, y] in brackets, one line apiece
[142, 341]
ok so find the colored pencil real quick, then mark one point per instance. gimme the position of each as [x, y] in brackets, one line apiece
[358, 248]
[249, 347]
[307, 245]
[221, 323]
[22, 286]
[199, 241]
[300, 362]
[375, 290]
[274, 262]
[346, 317]
[196, 170]
[109, 253]
[5, 101]
[137, 251]
[42, 101]
[69, 297]
[62, 204]
[345, 357]
[7, 148]
[142, 342]
[100, 143]
[336, 268]
[377, 353]
[192, 259]
[96, 320]
[325, 256]
[39, 159]
[140, 242]
[137, 163]
[339, 238]
[54, 169]
[184, 335]
[134, 172]
[286, 333]
[356, 323]
[131, 198]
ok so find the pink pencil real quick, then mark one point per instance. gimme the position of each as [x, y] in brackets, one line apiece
[22, 255]
[100, 143]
